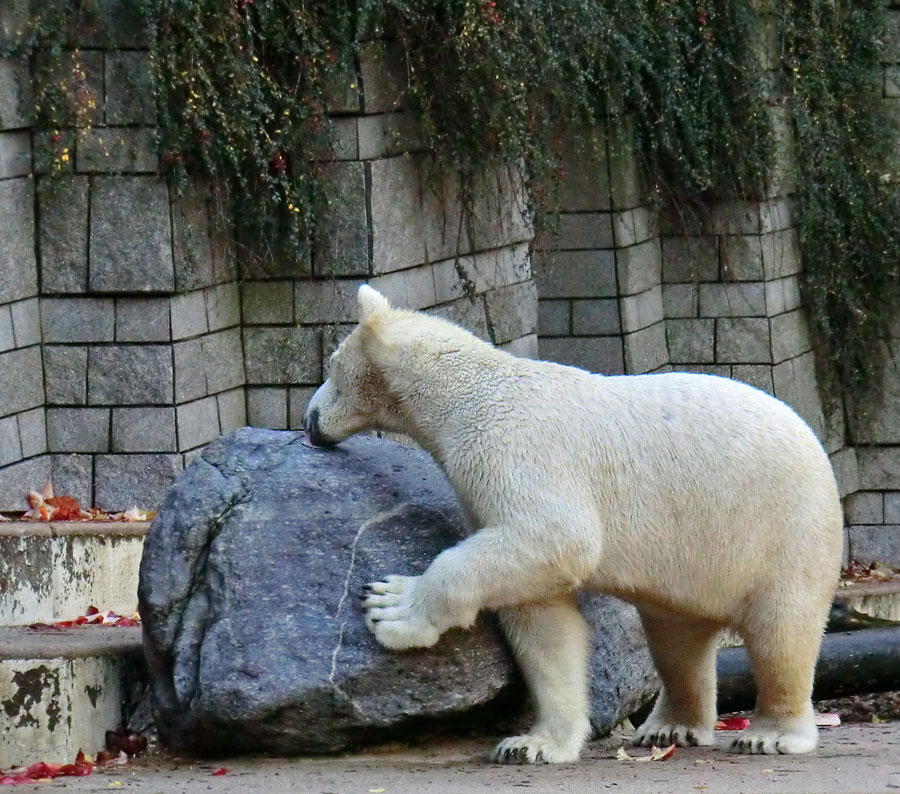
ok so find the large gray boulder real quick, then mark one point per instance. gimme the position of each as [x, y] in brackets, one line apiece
[253, 629]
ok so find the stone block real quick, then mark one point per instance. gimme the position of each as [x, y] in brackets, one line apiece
[680, 300]
[577, 231]
[10, 446]
[342, 89]
[388, 134]
[232, 410]
[398, 223]
[130, 375]
[447, 223]
[554, 316]
[790, 335]
[641, 310]
[344, 138]
[22, 384]
[576, 274]
[283, 355]
[633, 226]
[267, 407]
[512, 311]
[18, 267]
[223, 360]
[113, 150]
[332, 338]
[690, 259]
[63, 207]
[879, 468]
[733, 217]
[65, 374]
[195, 261]
[645, 350]
[795, 383]
[190, 370]
[384, 80]
[78, 429]
[743, 340]
[691, 341]
[142, 320]
[407, 289]
[783, 295]
[131, 239]
[738, 299]
[757, 375]
[845, 465]
[501, 267]
[639, 267]
[298, 399]
[198, 423]
[342, 233]
[223, 306]
[891, 514]
[602, 354]
[18, 479]
[78, 319]
[326, 302]
[776, 214]
[719, 370]
[523, 347]
[470, 313]
[122, 480]
[130, 97]
[143, 430]
[26, 322]
[15, 154]
[871, 544]
[742, 258]
[7, 336]
[867, 507]
[584, 186]
[592, 317]
[188, 313]
[267, 302]
[781, 254]
[32, 432]
[624, 173]
[16, 104]
[73, 474]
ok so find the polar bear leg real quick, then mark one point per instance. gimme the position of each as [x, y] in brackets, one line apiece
[550, 641]
[684, 652]
[782, 655]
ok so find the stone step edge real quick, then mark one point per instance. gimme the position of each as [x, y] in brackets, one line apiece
[61, 529]
[867, 589]
[23, 643]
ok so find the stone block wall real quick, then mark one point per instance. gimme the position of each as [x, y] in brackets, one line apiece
[131, 334]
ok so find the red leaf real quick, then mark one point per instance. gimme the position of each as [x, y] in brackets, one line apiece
[733, 724]
[220, 772]
[66, 508]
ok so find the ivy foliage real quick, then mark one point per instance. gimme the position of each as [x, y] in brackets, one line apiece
[247, 90]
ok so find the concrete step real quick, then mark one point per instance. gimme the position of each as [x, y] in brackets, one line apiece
[56, 570]
[878, 599]
[60, 691]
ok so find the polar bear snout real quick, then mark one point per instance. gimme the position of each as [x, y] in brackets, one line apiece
[311, 426]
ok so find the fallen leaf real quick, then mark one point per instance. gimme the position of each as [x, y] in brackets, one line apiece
[221, 771]
[828, 720]
[656, 754]
[733, 724]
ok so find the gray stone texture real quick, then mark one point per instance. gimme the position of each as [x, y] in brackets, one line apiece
[298, 399]
[342, 232]
[681, 300]
[198, 423]
[867, 507]
[10, 445]
[578, 230]
[780, 254]
[645, 350]
[795, 383]
[641, 310]
[470, 313]
[523, 347]
[576, 274]
[592, 317]
[200, 248]
[311, 677]
[633, 226]
[22, 384]
[18, 267]
[78, 319]
[873, 544]
[73, 474]
[188, 313]
[553, 316]
[742, 258]
[64, 234]
[32, 432]
[790, 335]
[131, 241]
[325, 302]
[783, 295]
[15, 154]
[398, 223]
[388, 134]
[691, 341]
[383, 71]
[267, 302]
[742, 299]
[143, 320]
[19, 478]
[408, 289]
[638, 267]
[78, 429]
[879, 468]
[891, 514]
[26, 322]
[113, 150]
[7, 335]
[585, 185]
[143, 430]
[268, 408]
[845, 464]
[223, 306]
[129, 88]
[733, 217]
[16, 107]
[601, 354]
[123, 480]
[757, 375]
[130, 375]
[743, 340]
[689, 259]
[344, 138]
[232, 410]
[65, 374]
[223, 361]
[512, 311]
[190, 370]
[282, 355]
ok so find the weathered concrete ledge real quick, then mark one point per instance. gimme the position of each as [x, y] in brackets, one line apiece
[84, 642]
[60, 529]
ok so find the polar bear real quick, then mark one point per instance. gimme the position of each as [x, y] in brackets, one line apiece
[704, 502]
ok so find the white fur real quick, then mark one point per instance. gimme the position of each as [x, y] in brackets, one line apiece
[704, 502]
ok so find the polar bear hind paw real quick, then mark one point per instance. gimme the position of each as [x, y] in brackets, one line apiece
[663, 735]
[773, 741]
[533, 749]
[392, 616]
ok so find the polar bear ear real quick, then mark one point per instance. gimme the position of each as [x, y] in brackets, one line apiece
[370, 302]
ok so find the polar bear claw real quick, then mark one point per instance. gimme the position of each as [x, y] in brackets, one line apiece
[394, 617]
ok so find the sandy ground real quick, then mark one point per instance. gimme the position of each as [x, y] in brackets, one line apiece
[860, 758]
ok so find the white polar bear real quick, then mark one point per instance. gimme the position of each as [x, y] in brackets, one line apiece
[702, 501]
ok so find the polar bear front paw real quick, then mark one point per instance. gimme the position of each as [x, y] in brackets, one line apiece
[662, 735]
[534, 749]
[394, 616]
[769, 740]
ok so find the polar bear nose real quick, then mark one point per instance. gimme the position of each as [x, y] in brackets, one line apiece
[311, 426]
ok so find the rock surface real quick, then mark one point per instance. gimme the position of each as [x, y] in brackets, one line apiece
[253, 628]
